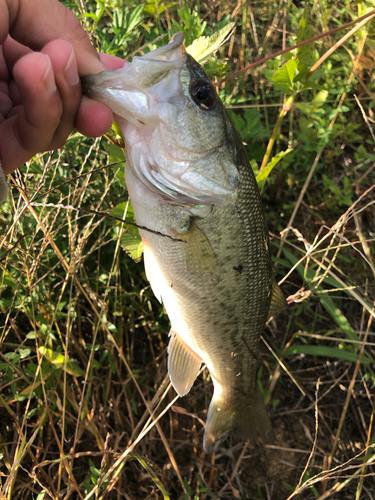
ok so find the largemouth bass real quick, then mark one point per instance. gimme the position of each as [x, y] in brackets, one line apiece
[188, 177]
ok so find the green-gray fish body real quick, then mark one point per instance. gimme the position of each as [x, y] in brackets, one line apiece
[188, 177]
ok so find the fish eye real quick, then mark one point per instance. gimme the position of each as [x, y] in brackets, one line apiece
[203, 94]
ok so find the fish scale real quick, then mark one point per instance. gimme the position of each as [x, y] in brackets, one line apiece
[188, 177]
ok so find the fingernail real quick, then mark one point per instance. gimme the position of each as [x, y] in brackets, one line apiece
[49, 77]
[71, 70]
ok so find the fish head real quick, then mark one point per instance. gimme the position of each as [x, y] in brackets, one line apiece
[176, 131]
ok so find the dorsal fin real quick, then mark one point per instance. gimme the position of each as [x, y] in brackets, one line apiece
[278, 302]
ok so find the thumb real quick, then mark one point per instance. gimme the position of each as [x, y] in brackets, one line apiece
[39, 22]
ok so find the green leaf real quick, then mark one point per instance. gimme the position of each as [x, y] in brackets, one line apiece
[116, 154]
[152, 474]
[130, 239]
[249, 122]
[34, 385]
[123, 211]
[13, 356]
[317, 74]
[24, 352]
[291, 67]
[326, 301]
[262, 177]
[204, 46]
[111, 327]
[313, 86]
[154, 8]
[338, 317]
[58, 360]
[254, 167]
[135, 18]
[302, 71]
[114, 134]
[305, 32]
[284, 77]
[268, 73]
[131, 242]
[320, 98]
[8, 281]
[327, 352]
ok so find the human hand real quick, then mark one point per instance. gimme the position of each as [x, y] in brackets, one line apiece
[43, 52]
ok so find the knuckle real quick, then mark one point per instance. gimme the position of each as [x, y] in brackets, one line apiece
[55, 114]
[75, 28]
[61, 135]
[59, 142]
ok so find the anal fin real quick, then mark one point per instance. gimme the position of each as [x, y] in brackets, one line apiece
[183, 364]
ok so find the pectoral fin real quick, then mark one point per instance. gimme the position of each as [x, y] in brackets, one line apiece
[183, 364]
[278, 302]
[200, 256]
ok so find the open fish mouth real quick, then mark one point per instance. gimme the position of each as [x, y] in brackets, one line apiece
[173, 144]
[127, 90]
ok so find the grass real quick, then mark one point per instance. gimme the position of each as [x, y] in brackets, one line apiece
[86, 407]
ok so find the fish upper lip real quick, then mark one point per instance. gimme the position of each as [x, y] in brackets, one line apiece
[172, 55]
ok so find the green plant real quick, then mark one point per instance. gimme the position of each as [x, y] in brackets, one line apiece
[83, 340]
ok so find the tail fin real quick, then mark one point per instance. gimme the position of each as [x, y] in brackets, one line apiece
[243, 418]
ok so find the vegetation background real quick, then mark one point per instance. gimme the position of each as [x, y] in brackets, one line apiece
[83, 340]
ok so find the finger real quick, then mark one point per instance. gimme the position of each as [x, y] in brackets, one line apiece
[5, 105]
[13, 51]
[4, 73]
[37, 23]
[5, 101]
[4, 20]
[112, 62]
[33, 128]
[93, 118]
[67, 80]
